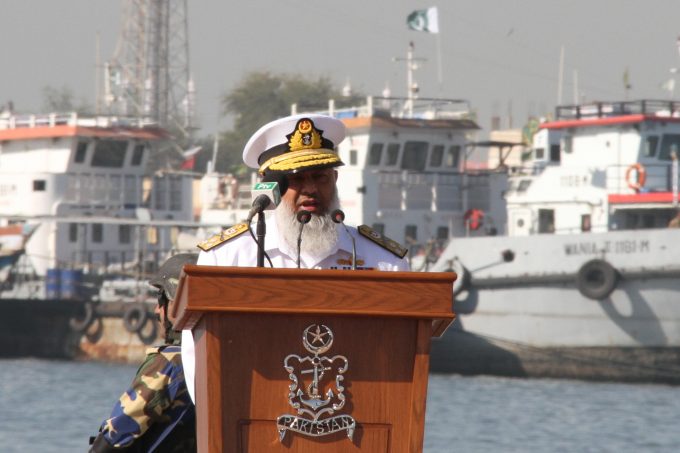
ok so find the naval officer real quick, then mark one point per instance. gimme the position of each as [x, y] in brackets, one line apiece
[303, 150]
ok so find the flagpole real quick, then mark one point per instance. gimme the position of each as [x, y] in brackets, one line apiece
[439, 63]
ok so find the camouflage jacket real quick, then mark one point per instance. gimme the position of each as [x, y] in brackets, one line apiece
[155, 413]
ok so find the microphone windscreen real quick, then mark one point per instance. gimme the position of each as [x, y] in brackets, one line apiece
[304, 216]
[338, 216]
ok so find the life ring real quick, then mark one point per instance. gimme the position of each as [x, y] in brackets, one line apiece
[640, 176]
[597, 279]
[474, 218]
[134, 318]
[82, 324]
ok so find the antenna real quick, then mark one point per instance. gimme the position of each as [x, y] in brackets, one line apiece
[560, 76]
[148, 76]
[411, 85]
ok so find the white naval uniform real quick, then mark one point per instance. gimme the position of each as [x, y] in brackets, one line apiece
[242, 251]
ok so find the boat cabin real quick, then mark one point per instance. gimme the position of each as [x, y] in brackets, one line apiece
[599, 167]
[83, 182]
[405, 171]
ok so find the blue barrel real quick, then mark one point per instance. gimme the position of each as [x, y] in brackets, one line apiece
[53, 284]
[71, 283]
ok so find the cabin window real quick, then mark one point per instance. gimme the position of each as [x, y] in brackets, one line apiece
[649, 146]
[97, 233]
[437, 156]
[379, 228]
[453, 156]
[442, 233]
[392, 154]
[539, 153]
[567, 144]
[138, 155]
[375, 154]
[73, 232]
[39, 185]
[523, 185]
[81, 152]
[554, 153]
[353, 160]
[415, 156]
[124, 234]
[411, 233]
[109, 153]
[175, 193]
[670, 143]
[546, 221]
[585, 222]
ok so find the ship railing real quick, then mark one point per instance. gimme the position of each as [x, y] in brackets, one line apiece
[406, 191]
[397, 107]
[653, 107]
[72, 119]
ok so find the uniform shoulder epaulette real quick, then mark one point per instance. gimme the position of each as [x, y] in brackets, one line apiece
[224, 236]
[383, 241]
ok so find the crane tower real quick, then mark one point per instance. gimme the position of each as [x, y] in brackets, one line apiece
[148, 76]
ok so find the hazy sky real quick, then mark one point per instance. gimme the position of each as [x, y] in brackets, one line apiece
[501, 55]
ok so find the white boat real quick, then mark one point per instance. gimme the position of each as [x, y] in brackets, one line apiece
[586, 283]
[79, 186]
[404, 172]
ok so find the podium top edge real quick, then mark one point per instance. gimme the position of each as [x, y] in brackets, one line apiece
[376, 275]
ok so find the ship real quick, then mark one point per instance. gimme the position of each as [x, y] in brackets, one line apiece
[82, 226]
[586, 281]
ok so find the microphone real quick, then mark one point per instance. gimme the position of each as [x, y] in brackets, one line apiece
[339, 217]
[265, 195]
[303, 217]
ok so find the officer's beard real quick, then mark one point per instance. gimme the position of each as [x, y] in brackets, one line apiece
[319, 236]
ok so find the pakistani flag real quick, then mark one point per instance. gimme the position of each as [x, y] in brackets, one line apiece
[424, 20]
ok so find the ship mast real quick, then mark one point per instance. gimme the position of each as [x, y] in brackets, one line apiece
[411, 85]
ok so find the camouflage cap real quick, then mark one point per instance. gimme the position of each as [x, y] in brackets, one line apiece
[167, 277]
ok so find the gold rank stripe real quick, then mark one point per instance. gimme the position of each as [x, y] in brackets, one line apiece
[383, 241]
[224, 236]
[301, 160]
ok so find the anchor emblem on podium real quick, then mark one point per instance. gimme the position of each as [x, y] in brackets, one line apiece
[315, 410]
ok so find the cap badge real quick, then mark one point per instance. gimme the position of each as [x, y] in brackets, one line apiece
[305, 136]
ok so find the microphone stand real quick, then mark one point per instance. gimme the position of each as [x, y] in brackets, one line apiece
[261, 231]
[303, 217]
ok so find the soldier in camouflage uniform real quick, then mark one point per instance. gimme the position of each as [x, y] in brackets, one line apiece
[155, 413]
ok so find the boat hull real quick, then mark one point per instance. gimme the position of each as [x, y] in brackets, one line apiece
[529, 317]
[39, 328]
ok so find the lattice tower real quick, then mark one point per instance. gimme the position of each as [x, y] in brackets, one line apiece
[148, 76]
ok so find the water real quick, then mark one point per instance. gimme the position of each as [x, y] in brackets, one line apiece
[53, 406]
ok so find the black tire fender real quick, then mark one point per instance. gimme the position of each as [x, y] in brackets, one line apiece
[134, 318]
[597, 279]
[82, 324]
[149, 337]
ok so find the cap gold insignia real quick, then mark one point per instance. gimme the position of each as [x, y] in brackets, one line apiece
[305, 136]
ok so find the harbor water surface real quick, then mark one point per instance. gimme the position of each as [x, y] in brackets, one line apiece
[54, 406]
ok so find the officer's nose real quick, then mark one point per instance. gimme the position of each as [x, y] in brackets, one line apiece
[308, 186]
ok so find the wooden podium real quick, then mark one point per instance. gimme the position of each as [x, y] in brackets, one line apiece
[247, 321]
